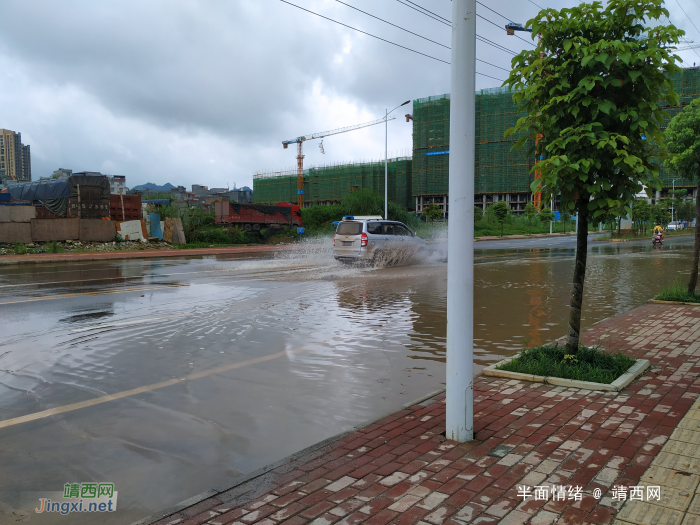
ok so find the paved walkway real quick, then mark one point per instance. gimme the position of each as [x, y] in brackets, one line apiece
[402, 470]
[138, 254]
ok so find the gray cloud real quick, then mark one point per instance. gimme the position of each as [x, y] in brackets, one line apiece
[205, 91]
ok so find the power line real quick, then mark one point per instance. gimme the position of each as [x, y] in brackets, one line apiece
[424, 9]
[691, 21]
[389, 41]
[365, 33]
[494, 44]
[494, 65]
[482, 39]
[399, 27]
[494, 23]
[430, 13]
[499, 79]
[426, 14]
[533, 3]
[386, 22]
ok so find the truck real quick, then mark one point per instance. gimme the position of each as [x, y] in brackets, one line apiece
[254, 217]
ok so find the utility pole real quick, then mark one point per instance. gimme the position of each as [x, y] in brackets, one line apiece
[551, 208]
[460, 226]
[673, 198]
[386, 165]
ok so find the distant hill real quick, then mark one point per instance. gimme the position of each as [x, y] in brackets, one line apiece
[154, 187]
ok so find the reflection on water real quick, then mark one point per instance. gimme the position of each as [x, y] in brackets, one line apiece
[521, 297]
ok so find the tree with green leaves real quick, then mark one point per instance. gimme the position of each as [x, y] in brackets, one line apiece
[432, 212]
[683, 142]
[530, 213]
[546, 215]
[478, 214]
[686, 211]
[641, 214]
[661, 213]
[592, 89]
[501, 210]
[565, 218]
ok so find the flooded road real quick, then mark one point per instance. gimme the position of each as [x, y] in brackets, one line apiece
[172, 377]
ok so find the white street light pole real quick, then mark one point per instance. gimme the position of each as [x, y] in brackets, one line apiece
[460, 226]
[673, 198]
[551, 209]
[386, 159]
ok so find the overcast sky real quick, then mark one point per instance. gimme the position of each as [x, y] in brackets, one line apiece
[205, 91]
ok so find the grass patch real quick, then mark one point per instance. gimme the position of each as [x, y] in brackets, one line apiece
[678, 292]
[592, 364]
[53, 247]
[644, 236]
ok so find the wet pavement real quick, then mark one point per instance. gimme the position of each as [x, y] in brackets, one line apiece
[210, 363]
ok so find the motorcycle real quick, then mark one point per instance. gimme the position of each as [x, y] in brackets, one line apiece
[657, 239]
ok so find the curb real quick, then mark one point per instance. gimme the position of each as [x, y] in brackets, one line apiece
[302, 454]
[656, 301]
[616, 386]
[124, 255]
[520, 237]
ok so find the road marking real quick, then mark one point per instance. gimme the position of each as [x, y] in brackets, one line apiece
[86, 294]
[154, 275]
[134, 391]
[125, 323]
[239, 279]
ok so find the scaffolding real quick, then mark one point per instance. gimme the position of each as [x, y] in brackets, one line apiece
[497, 168]
[328, 184]
[687, 84]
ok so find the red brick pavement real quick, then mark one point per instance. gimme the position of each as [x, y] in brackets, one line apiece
[401, 469]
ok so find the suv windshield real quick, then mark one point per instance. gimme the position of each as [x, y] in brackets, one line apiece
[349, 228]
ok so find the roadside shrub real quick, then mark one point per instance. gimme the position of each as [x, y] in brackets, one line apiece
[590, 364]
[678, 292]
[20, 248]
[53, 247]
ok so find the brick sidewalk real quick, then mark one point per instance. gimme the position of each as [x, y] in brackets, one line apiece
[402, 470]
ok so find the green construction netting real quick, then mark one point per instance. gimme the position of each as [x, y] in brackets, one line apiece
[497, 169]
[328, 184]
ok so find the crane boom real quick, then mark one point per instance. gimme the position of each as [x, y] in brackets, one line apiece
[299, 141]
[334, 131]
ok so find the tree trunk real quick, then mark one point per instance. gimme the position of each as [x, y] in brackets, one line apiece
[696, 249]
[501, 229]
[619, 225]
[529, 225]
[572, 337]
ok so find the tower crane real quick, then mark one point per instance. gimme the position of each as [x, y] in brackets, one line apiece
[537, 197]
[299, 141]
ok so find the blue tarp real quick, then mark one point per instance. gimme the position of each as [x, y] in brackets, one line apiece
[155, 226]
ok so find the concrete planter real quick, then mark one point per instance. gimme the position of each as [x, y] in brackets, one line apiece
[621, 382]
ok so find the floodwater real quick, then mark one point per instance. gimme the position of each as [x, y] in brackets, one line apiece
[218, 366]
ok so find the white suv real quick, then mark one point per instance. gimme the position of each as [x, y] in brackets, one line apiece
[356, 240]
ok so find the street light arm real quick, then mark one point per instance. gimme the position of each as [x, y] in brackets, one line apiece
[397, 107]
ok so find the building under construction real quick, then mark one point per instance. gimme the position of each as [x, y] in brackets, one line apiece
[500, 173]
[329, 184]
